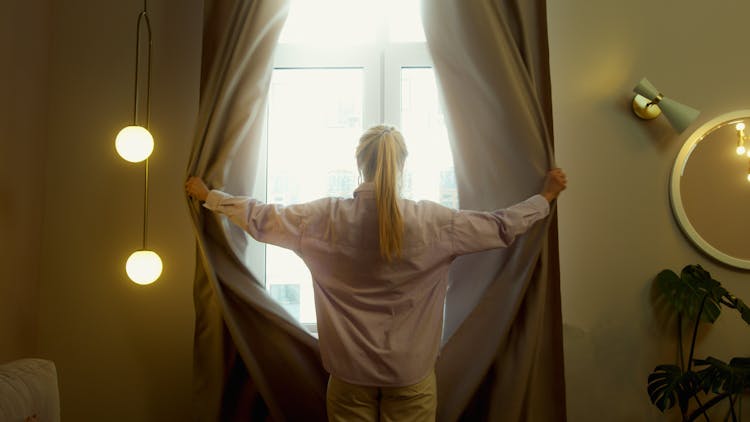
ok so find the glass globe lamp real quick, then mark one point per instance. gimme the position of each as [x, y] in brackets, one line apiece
[134, 143]
[143, 267]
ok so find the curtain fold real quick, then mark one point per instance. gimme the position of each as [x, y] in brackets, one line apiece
[502, 353]
[280, 375]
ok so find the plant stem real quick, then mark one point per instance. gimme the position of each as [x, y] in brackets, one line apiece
[705, 416]
[695, 333]
[692, 351]
[709, 404]
[731, 408]
[679, 341]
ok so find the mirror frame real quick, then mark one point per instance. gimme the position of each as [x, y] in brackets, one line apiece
[676, 197]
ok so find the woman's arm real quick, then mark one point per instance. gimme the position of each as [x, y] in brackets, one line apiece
[268, 223]
[475, 231]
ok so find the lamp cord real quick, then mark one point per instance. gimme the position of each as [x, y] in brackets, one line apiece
[145, 206]
[143, 17]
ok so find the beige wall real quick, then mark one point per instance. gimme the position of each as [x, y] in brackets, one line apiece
[24, 50]
[124, 352]
[616, 227]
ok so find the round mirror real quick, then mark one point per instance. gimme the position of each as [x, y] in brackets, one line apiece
[710, 188]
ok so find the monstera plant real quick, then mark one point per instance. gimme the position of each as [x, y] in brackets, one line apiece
[697, 385]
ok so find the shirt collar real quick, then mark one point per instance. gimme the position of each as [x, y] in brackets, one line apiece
[366, 188]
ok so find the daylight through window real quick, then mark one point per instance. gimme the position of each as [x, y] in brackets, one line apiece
[342, 66]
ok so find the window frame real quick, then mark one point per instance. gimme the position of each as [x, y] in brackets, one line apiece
[381, 63]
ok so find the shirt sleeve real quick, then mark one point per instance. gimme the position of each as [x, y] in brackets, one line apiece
[268, 223]
[475, 231]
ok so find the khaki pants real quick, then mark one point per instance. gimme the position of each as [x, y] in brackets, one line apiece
[353, 403]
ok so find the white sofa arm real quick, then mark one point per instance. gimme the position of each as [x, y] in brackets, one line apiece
[29, 387]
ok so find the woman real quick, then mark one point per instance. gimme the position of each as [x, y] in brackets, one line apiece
[379, 266]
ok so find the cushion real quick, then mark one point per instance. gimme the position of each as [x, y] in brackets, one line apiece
[28, 391]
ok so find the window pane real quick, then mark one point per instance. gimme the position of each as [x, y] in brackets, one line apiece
[288, 296]
[429, 172]
[331, 22]
[352, 22]
[314, 122]
[404, 21]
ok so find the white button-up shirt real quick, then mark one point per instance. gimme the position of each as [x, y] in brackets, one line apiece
[379, 323]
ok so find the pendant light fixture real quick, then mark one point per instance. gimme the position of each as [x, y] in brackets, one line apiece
[135, 143]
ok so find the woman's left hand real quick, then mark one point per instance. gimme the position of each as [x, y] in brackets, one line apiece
[196, 188]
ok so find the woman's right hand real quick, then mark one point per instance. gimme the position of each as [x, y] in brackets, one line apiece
[555, 182]
[196, 188]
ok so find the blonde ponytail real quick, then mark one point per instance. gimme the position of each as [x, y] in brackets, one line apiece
[381, 155]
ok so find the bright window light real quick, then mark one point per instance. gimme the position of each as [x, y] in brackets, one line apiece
[314, 122]
[368, 65]
[404, 21]
[330, 22]
[352, 22]
[428, 173]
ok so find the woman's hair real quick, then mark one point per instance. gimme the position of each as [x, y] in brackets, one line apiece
[381, 154]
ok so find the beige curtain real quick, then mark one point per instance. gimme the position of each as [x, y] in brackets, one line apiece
[502, 357]
[502, 354]
[252, 361]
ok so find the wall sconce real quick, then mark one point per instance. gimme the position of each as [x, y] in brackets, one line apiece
[649, 103]
[135, 144]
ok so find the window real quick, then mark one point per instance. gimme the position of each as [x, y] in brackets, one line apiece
[342, 66]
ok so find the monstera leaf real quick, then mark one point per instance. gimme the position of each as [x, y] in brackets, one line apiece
[719, 377]
[743, 309]
[669, 384]
[695, 295]
[693, 288]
